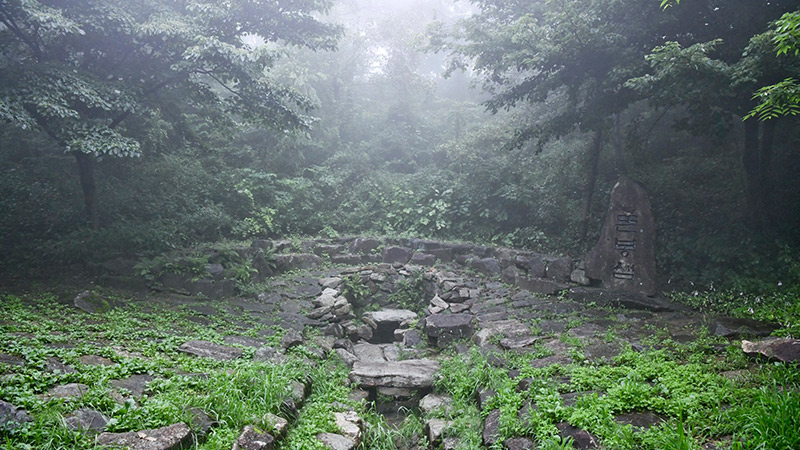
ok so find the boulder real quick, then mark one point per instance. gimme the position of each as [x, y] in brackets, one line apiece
[349, 424]
[210, 350]
[443, 329]
[92, 303]
[410, 373]
[782, 349]
[172, 437]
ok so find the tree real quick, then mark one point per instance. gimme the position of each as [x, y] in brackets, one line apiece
[713, 75]
[81, 70]
[575, 54]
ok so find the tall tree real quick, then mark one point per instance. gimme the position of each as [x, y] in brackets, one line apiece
[80, 70]
[713, 74]
[576, 54]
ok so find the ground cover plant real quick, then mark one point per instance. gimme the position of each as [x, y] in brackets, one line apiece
[630, 379]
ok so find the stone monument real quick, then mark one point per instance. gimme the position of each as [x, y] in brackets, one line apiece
[624, 257]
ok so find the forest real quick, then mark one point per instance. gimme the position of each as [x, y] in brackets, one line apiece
[285, 174]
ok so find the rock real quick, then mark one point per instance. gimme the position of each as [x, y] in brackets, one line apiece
[491, 428]
[431, 402]
[434, 428]
[71, 390]
[558, 269]
[11, 417]
[535, 266]
[364, 245]
[581, 438]
[94, 360]
[640, 420]
[368, 352]
[86, 420]
[579, 276]
[91, 303]
[135, 384]
[252, 439]
[632, 300]
[538, 285]
[54, 365]
[423, 259]
[624, 257]
[349, 358]
[384, 323]
[350, 425]
[330, 283]
[413, 339]
[439, 303]
[731, 328]
[486, 266]
[295, 261]
[336, 441]
[443, 329]
[514, 343]
[269, 354]
[410, 373]
[501, 328]
[292, 338]
[396, 255]
[11, 360]
[782, 349]
[518, 443]
[210, 350]
[278, 425]
[201, 422]
[510, 274]
[173, 437]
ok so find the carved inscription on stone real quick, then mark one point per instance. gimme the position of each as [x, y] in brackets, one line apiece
[624, 256]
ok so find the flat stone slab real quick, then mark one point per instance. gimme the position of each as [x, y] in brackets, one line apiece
[388, 315]
[446, 328]
[410, 373]
[135, 384]
[336, 441]
[86, 420]
[783, 349]
[211, 350]
[172, 437]
[71, 390]
[730, 327]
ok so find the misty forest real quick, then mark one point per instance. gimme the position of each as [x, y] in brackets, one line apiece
[400, 224]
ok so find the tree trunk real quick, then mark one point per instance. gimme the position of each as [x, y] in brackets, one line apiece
[591, 181]
[86, 172]
[756, 159]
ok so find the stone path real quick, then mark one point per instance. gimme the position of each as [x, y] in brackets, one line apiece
[390, 311]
